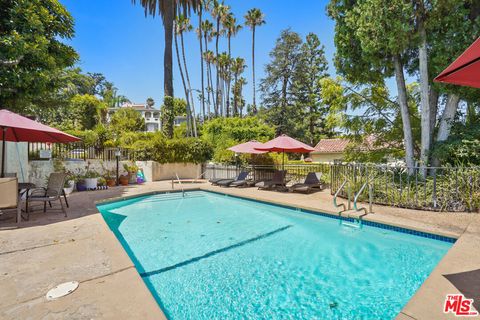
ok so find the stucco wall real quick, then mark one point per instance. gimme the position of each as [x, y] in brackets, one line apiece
[39, 170]
[326, 157]
[16, 159]
[168, 170]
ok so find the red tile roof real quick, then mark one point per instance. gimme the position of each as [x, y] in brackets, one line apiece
[337, 145]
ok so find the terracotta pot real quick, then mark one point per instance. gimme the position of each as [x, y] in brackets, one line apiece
[123, 180]
[110, 182]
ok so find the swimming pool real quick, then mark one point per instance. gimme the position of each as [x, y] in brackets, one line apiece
[212, 256]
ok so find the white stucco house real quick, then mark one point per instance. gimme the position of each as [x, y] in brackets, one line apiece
[149, 114]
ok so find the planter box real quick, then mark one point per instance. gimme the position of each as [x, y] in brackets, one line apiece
[71, 186]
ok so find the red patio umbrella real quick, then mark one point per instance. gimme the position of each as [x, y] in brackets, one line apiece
[284, 144]
[464, 71]
[248, 147]
[16, 128]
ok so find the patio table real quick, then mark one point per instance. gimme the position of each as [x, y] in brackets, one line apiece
[23, 189]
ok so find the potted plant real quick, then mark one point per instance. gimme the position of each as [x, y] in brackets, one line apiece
[123, 179]
[81, 186]
[69, 183]
[132, 170]
[109, 177]
[90, 179]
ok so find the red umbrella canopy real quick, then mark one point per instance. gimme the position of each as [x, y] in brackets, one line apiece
[285, 143]
[20, 129]
[464, 71]
[248, 147]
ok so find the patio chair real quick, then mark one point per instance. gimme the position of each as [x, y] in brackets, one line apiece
[278, 179]
[10, 198]
[53, 192]
[227, 182]
[313, 180]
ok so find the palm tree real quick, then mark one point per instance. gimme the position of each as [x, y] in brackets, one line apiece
[219, 10]
[203, 4]
[207, 28]
[254, 18]
[238, 66]
[167, 9]
[231, 29]
[209, 57]
[179, 27]
[238, 95]
[223, 64]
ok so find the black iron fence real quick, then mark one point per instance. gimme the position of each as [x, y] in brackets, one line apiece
[295, 172]
[75, 151]
[442, 189]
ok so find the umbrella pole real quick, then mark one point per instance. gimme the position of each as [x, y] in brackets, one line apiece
[4, 134]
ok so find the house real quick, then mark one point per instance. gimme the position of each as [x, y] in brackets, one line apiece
[149, 114]
[329, 150]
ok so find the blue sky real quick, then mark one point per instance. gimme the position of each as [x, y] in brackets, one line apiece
[113, 37]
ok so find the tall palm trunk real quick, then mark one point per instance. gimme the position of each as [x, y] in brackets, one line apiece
[235, 95]
[217, 93]
[201, 58]
[426, 138]
[253, 71]
[168, 21]
[228, 77]
[405, 112]
[194, 122]
[189, 114]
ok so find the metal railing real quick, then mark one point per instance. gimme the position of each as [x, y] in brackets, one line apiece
[179, 183]
[295, 172]
[74, 151]
[443, 189]
[335, 197]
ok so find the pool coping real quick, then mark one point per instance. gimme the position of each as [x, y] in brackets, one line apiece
[427, 302]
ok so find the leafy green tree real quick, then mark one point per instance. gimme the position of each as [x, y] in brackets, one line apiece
[88, 111]
[306, 89]
[277, 88]
[32, 54]
[226, 132]
[126, 120]
[168, 116]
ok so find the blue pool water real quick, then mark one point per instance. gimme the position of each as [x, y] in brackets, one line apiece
[210, 256]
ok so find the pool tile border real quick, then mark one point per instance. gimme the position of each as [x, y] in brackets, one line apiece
[310, 211]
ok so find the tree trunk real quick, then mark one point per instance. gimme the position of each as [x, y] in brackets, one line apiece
[200, 37]
[254, 107]
[189, 114]
[168, 20]
[424, 98]
[194, 122]
[446, 122]
[433, 110]
[209, 79]
[217, 93]
[405, 112]
[228, 76]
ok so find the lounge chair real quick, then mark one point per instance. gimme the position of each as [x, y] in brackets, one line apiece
[311, 181]
[10, 198]
[227, 182]
[278, 179]
[53, 192]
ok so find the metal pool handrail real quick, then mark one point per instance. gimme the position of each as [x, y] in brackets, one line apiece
[370, 197]
[336, 195]
[180, 183]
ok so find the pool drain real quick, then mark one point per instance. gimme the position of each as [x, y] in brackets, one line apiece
[333, 305]
[62, 290]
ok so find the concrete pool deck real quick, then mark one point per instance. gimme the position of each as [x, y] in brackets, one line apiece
[50, 249]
